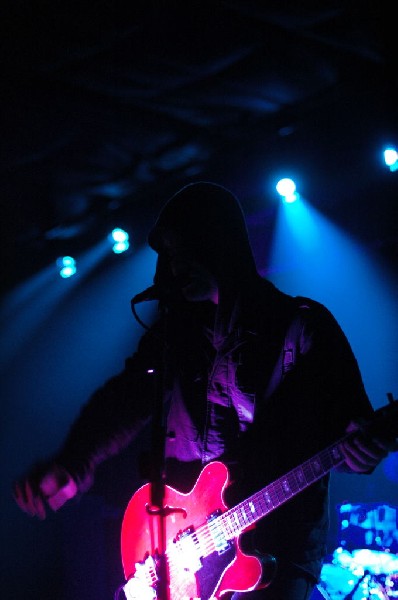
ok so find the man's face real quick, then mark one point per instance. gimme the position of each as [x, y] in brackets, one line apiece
[194, 280]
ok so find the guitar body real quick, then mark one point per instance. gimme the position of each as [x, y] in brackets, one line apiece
[198, 564]
[192, 549]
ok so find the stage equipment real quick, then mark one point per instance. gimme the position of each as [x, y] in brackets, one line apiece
[365, 564]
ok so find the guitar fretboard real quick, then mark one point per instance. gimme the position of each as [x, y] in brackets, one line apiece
[235, 520]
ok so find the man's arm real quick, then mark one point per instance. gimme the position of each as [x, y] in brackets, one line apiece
[106, 425]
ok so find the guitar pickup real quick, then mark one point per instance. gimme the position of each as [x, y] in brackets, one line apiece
[185, 550]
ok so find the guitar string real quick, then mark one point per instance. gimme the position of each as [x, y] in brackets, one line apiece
[231, 521]
[236, 519]
[281, 490]
[175, 561]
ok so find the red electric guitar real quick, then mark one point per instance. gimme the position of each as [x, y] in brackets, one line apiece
[203, 559]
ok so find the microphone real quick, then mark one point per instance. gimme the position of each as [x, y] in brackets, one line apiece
[151, 293]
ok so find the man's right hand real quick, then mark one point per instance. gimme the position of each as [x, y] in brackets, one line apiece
[44, 488]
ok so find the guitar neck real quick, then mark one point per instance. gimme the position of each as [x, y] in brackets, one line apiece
[235, 520]
[238, 518]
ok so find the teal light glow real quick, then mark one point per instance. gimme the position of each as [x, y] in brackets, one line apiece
[119, 235]
[67, 266]
[391, 158]
[286, 188]
[120, 240]
[66, 272]
[312, 257]
[120, 247]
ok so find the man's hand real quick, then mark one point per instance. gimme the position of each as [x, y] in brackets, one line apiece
[42, 488]
[363, 451]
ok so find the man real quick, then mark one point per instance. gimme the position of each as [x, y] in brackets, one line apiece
[250, 376]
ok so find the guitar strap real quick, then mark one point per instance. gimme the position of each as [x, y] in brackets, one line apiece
[288, 356]
[292, 340]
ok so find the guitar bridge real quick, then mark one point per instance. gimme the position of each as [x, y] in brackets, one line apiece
[185, 550]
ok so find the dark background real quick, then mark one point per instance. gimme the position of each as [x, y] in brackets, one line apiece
[107, 109]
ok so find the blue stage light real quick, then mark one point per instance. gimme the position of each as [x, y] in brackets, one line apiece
[119, 235]
[286, 188]
[391, 158]
[120, 247]
[120, 240]
[67, 266]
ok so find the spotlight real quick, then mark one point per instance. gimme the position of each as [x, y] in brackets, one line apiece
[67, 266]
[391, 158]
[120, 240]
[287, 189]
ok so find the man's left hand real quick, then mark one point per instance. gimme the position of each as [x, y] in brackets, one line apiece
[362, 451]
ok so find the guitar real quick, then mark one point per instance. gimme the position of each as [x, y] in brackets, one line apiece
[202, 557]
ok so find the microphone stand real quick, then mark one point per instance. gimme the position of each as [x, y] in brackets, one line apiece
[157, 509]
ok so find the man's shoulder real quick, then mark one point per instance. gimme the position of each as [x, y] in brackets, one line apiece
[270, 294]
[282, 307]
